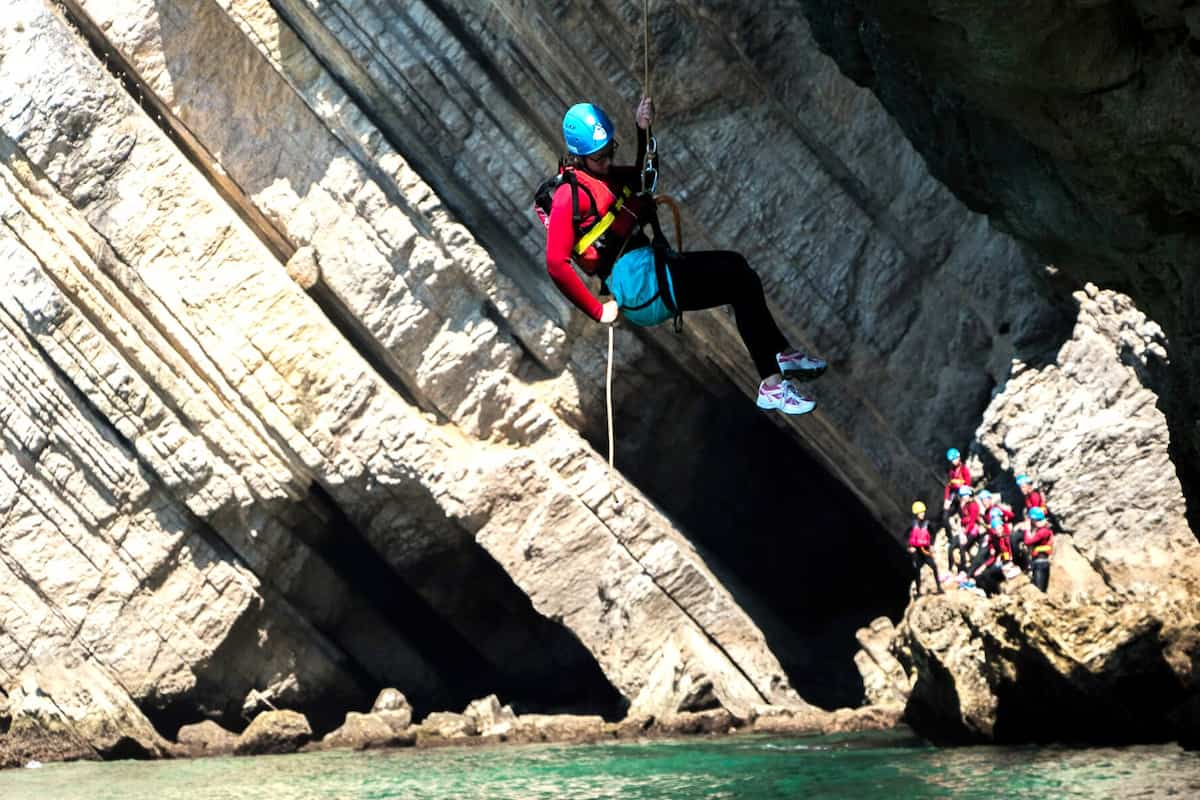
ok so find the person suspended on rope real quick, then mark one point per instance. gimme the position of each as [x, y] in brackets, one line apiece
[919, 543]
[1040, 541]
[595, 221]
[957, 476]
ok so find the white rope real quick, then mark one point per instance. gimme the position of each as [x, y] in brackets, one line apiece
[608, 402]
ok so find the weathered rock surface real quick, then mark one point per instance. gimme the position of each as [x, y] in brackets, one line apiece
[366, 731]
[206, 738]
[274, 732]
[1029, 666]
[60, 712]
[1085, 423]
[1071, 125]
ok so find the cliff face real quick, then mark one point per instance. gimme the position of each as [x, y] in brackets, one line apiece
[292, 412]
[1071, 126]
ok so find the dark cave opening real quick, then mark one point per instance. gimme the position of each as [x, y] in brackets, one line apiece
[799, 551]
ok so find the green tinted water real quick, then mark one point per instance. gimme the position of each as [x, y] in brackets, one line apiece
[888, 766]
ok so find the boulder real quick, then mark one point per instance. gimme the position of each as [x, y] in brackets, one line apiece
[274, 732]
[206, 738]
[444, 725]
[1030, 666]
[557, 728]
[366, 731]
[78, 712]
[884, 679]
[489, 717]
[392, 707]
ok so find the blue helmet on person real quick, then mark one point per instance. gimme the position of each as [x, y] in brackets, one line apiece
[985, 495]
[586, 129]
[996, 511]
[964, 491]
[997, 521]
[952, 454]
[1037, 514]
[1024, 480]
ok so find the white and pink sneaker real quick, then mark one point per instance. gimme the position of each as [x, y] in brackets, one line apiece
[793, 363]
[783, 396]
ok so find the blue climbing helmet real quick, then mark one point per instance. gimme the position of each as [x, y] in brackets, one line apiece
[952, 454]
[996, 513]
[586, 129]
[964, 491]
[985, 495]
[1024, 480]
[1037, 514]
[997, 521]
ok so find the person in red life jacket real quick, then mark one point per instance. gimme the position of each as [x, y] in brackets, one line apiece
[956, 477]
[1040, 542]
[990, 503]
[919, 543]
[988, 570]
[971, 516]
[599, 228]
[958, 545]
[1033, 499]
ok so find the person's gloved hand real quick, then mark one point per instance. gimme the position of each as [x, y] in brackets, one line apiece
[609, 313]
[645, 113]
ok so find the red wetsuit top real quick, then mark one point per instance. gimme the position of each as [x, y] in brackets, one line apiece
[1034, 499]
[561, 234]
[970, 518]
[1040, 541]
[956, 477]
[918, 536]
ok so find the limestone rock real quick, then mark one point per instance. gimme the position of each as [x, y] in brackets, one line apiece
[1086, 426]
[1030, 666]
[445, 725]
[884, 679]
[557, 728]
[392, 707]
[366, 731]
[274, 732]
[713, 721]
[206, 738]
[1084, 182]
[489, 717]
[76, 712]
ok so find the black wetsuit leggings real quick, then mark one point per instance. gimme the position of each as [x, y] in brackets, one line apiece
[921, 559]
[710, 278]
[1041, 572]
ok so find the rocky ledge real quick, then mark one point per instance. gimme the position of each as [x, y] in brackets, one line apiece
[1085, 662]
[57, 714]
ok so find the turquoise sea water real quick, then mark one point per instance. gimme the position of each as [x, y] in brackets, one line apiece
[888, 766]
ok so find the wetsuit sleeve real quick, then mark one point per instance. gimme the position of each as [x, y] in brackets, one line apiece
[560, 239]
[1036, 536]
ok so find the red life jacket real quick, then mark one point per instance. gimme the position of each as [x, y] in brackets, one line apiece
[605, 214]
[918, 535]
[1040, 541]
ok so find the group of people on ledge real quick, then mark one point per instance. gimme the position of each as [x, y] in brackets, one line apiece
[985, 542]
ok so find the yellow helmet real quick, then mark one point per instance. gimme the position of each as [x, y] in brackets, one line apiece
[918, 507]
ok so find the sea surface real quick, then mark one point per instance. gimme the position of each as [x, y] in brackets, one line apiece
[889, 765]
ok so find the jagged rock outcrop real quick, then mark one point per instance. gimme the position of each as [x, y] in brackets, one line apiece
[290, 411]
[1026, 666]
[1071, 126]
[68, 713]
[1086, 424]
